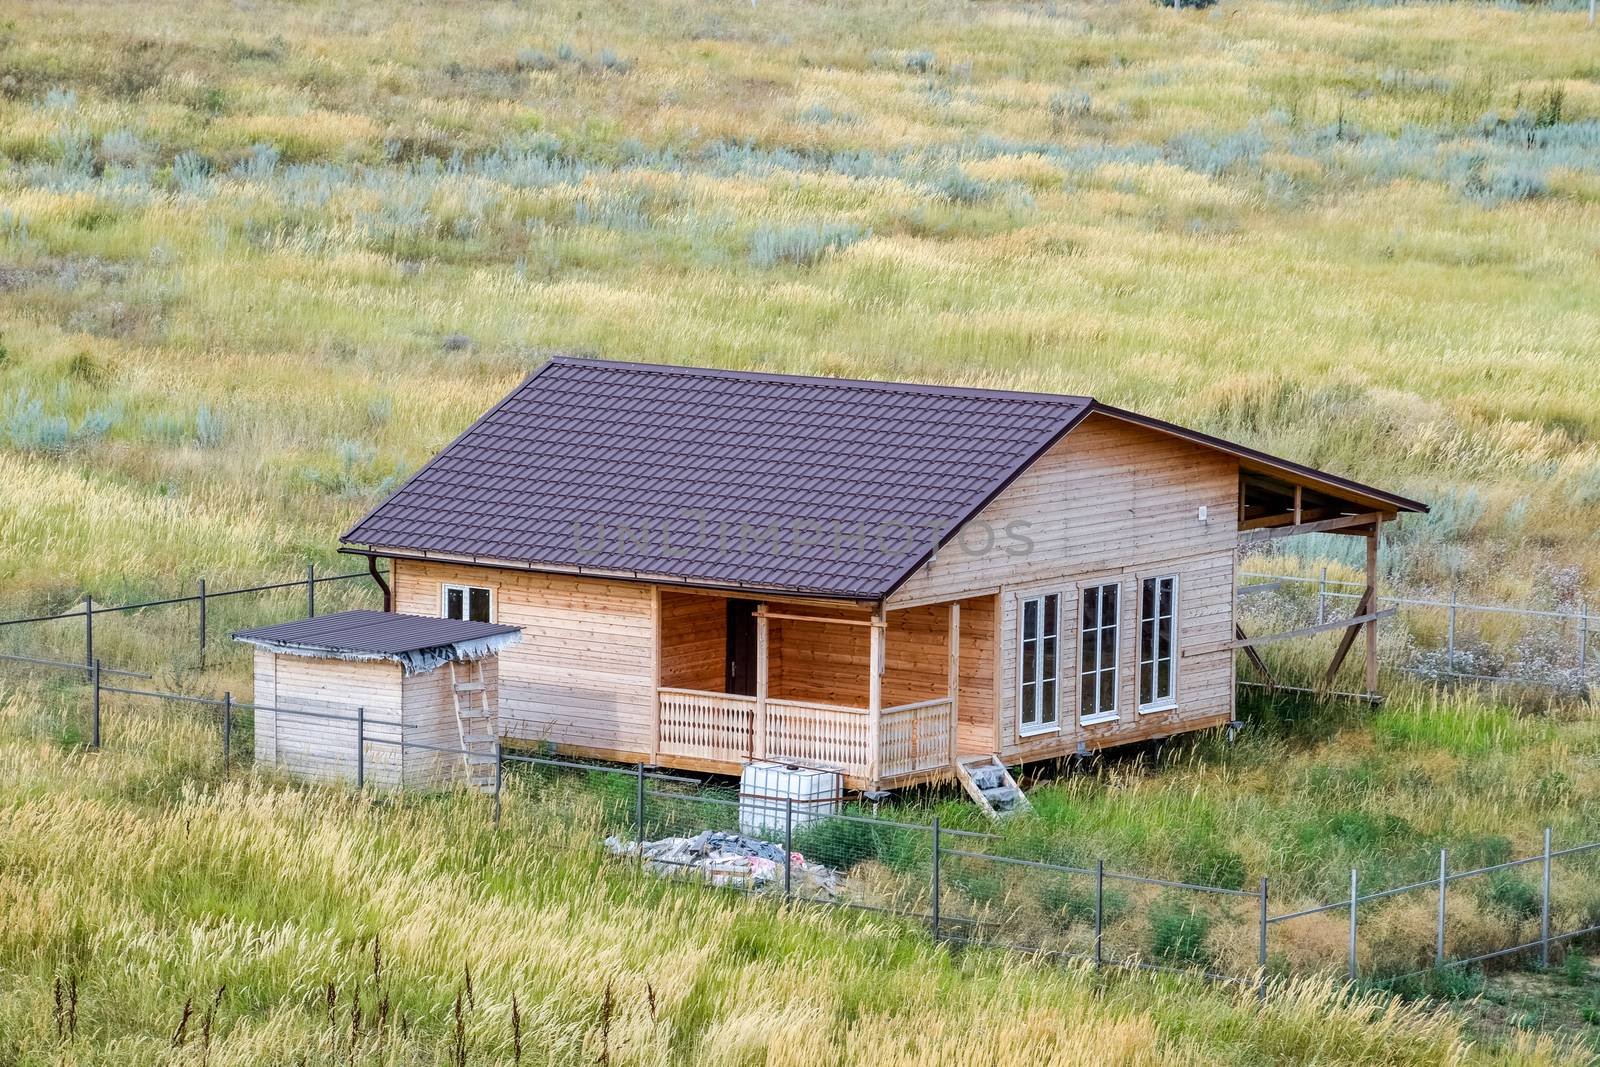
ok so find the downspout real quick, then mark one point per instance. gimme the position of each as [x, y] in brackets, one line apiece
[372, 569]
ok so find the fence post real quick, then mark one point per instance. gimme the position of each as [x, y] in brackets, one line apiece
[1583, 645]
[1450, 633]
[1099, 910]
[1261, 950]
[1322, 597]
[497, 782]
[311, 590]
[202, 624]
[1544, 911]
[934, 919]
[227, 730]
[638, 803]
[788, 846]
[1355, 897]
[1438, 945]
[88, 635]
[361, 748]
[95, 711]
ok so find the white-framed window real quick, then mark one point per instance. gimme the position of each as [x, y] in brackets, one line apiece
[473, 602]
[1098, 634]
[1158, 643]
[1039, 664]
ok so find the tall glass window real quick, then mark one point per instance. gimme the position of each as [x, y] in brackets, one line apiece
[1158, 642]
[1098, 633]
[1039, 671]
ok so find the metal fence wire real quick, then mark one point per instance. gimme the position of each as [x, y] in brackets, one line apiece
[1437, 639]
[965, 887]
[968, 888]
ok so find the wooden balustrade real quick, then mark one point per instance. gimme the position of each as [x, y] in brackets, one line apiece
[707, 726]
[818, 733]
[917, 737]
[723, 727]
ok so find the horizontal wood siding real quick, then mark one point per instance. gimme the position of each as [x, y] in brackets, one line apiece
[324, 749]
[694, 640]
[430, 718]
[976, 708]
[916, 662]
[582, 675]
[1111, 502]
[1109, 496]
[265, 694]
[821, 662]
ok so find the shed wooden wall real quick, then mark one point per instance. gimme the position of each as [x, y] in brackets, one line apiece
[1111, 502]
[324, 749]
[583, 675]
[428, 702]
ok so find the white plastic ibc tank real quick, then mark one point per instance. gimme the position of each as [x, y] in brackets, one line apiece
[765, 790]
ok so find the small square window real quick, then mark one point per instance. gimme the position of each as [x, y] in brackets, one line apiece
[473, 603]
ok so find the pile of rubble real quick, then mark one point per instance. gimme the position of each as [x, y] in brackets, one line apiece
[732, 860]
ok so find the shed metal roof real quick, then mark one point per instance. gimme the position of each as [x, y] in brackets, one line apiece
[418, 642]
[741, 479]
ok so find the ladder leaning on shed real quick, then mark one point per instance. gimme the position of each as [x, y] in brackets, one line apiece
[474, 721]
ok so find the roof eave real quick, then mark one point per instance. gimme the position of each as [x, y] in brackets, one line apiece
[1381, 499]
[423, 555]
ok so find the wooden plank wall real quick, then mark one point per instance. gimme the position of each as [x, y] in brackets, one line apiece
[265, 693]
[583, 674]
[1111, 502]
[325, 749]
[818, 661]
[430, 716]
[916, 662]
[976, 709]
[694, 641]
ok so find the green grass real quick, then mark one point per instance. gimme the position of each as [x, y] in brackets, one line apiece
[259, 264]
[307, 925]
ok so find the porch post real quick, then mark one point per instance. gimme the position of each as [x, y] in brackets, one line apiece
[655, 675]
[761, 682]
[955, 676]
[879, 632]
[1372, 627]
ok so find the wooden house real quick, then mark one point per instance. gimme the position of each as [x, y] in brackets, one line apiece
[710, 567]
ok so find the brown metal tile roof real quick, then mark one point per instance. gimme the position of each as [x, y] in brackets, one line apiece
[571, 467]
[679, 473]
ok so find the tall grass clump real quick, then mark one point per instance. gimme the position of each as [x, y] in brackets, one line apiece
[801, 246]
[253, 918]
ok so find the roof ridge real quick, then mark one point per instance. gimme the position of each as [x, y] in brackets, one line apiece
[873, 384]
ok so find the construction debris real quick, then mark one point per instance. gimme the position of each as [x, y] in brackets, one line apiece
[728, 859]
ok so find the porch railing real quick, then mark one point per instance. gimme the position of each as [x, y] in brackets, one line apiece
[709, 726]
[917, 737]
[819, 733]
[725, 728]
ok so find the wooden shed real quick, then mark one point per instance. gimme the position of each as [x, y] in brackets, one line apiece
[409, 700]
[903, 582]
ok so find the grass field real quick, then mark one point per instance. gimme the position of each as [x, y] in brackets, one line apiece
[259, 260]
[153, 913]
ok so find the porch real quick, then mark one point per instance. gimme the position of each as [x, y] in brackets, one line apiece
[877, 695]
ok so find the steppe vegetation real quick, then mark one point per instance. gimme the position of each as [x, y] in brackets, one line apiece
[259, 260]
[151, 912]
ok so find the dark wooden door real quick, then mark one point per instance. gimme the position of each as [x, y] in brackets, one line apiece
[741, 660]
